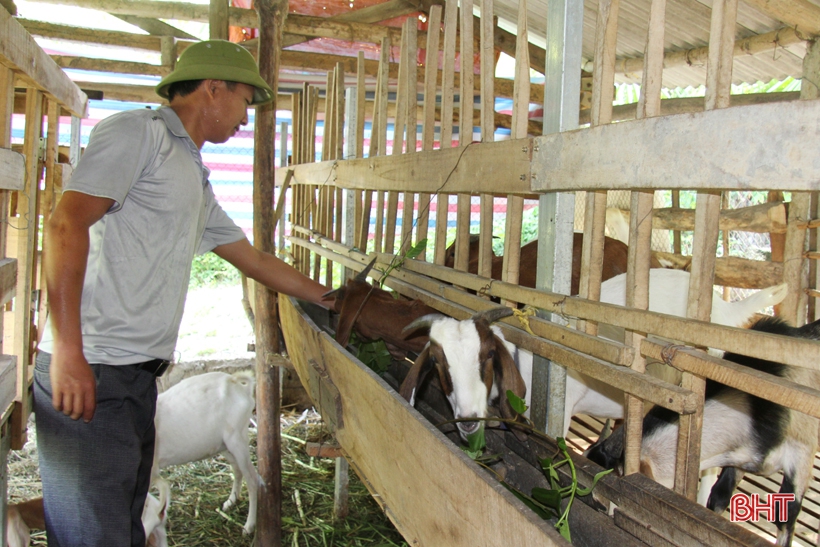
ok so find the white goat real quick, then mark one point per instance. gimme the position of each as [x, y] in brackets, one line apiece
[29, 515]
[741, 433]
[668, 293]
[201, 417]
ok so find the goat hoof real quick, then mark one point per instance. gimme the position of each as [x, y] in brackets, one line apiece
[227, 505]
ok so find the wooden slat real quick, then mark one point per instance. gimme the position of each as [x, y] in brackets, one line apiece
[499, 167]
[597, 159]
[12, 170]
[485, 242]
[27, 259]
[20, 52]
[521, 107]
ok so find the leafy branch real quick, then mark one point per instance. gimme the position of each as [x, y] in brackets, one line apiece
[545, 502]
[397, 262]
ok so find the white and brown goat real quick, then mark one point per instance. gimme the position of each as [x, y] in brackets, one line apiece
[741, 433]
[474, 364]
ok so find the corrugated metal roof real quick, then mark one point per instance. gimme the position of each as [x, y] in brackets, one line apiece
[687, 27]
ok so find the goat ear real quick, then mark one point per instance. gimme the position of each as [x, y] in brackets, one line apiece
[415, 376]
[348, 314]
[507, 378]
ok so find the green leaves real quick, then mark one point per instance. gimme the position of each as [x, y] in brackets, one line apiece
[516, 402]
[373, 354]
[475, 443]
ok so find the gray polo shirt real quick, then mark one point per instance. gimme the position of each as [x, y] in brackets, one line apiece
[140, 255]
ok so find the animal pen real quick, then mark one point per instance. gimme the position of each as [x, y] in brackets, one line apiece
[713, 146]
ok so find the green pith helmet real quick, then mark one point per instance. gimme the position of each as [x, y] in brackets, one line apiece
[218, 60]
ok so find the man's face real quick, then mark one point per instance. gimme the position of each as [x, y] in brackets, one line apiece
[229, 110]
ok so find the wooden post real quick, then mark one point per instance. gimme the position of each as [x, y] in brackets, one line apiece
[485, 241]
[6, 111]
[283, 162]
[465, 128]
[272, 14]
[795, 267]
[520, 119]
[447, 97]
[640, 229]
[218, 20]
[428, 131]
[26, 260]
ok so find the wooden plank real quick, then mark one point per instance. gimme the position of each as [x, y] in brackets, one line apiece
[218, 19]
[499, 167]
[12, 170]
[521, 107]
[20, 52]
[27, 263]
[596, 158]
[8, 279]
[8, 383]
[421, 483]
[487, 25]
[428, 131]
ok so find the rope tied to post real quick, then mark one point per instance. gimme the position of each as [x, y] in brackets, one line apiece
[669, 351]
[523, 317]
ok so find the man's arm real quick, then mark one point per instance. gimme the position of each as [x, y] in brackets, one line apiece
[272, 272]
[72, 381]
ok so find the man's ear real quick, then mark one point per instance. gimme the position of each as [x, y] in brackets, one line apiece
[211, 86]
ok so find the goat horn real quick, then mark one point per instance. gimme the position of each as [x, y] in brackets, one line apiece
[362, 276]
[493, 314]
[423, 321]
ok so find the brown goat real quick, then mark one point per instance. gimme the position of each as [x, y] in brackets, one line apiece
[374, 313]
[615, 260]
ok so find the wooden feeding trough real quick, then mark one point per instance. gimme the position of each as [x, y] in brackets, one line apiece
[436, 495]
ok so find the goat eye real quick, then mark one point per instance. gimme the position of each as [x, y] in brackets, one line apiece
[491, 354]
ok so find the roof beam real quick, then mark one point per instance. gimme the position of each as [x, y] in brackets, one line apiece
[30, 63]
[759, 43]
[156, 27]
[803, 15]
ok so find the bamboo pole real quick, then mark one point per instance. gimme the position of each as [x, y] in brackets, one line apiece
[272, 14]
[447, 80]
[704, 247]
[465, 130]
[521, 108]
[485, 241]
[640, 228]
[428, 132]
[26, 264]
[411, 127]
[795, 266]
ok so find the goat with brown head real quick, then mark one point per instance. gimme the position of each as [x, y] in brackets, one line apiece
[377, 314]
[475, 365]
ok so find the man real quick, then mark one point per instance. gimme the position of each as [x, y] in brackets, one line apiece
[137, 210]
